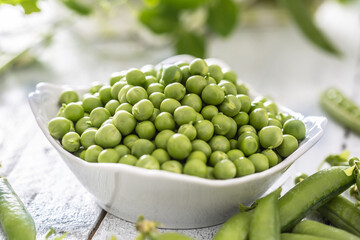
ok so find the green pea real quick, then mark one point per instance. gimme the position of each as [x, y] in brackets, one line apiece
[219, 143]
[135, 94]
[244, 166]
[192, 100]
[272, 156]
[107, 121]
[105, 94]
[230, 106]
[92, 153]
[162, 138]
[256, 105]
[58, 127]
[175, 90]
[204, 130]
[260, 162]
[124, 106]
[197, 155]
[82, 154]
[88, 138]
[143, 110]
[283, 117]
[171, 74]
[71, 141]
[242, 118]
[108, 156]
[161, 155]
[148, 162]
[295, 128]
[246, 134]
[198, 67]
[164, 121]
[233, 130]
[198, 117]
[288, 145]
[91, 102]
[188, 130]
[155, 87]
[245, 102]
[135, 77]
[155, 113]
[225, 169]
[230, 75]
[185, 72]
[212, 94]
[270, 137]
[216, 157]
[196, 168]
[148, 70]
[184, 115]
[124, 121]
[156, 99]
[210, 80]
[112, 105]
[209, 112]
[115, 89]
[274, 122]
[271, 107]
[128, 159]
[258, 118]
[98, 116]
[233, 143]
[146, 130]
[216, 72]
[73, 111]
[222, 124]
[123, 92]
[248, 145]
[195, 84]
[234, 154]
[181, 63]
[68, 96]
[107, 136]
[95, 87]
[228, 87]
[122, 150]
[179, 146]
[116, 77]
[201, 145]
[82, 124]
[246, 128]
[150, 80]
[172, 166]
[169, 105]
[142, 147]
[210, 173]
[129, 140]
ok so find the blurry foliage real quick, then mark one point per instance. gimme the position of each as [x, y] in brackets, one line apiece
[190, 23]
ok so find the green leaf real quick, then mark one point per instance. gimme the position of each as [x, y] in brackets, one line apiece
[29, 6]
[190, 43]
[183, 4]
[222, 16]
[77, 7]
[304, 20]
[160, 19]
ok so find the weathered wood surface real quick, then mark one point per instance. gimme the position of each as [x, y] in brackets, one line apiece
[276, 62]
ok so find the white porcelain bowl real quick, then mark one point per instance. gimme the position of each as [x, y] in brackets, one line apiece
[177, 201]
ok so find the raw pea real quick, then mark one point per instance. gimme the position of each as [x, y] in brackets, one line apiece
[88, 137]
[198, 117]
[155, 113]
[135, 77]
[196, 168]
[204, 130]
[98, 116]
[164, 121]
[122, 93]
[149, 81]
[108, 156]
[71, 141]
[128, 159]
[271, 107]
[222, 124]
[148, 70]
[295, 128]
[95, 87]
[197, 155]
[148, 162]
[116, 77]
[234, 154]
[185, 71]
[188, 130]
[73, 111]
[175, 90]
[248, 145]
[233, 143]
[68, 96]
[212, 94]
[143, 110]
[246, 128]
[245, 102]
[142, 147]
[270, 137]
[112, 105]
[198, 67]
[184, 115]
[233, 129]
[225, 169]
[242, 118]
[155, 87]
[129, 140]
[201, 145]
[135, 94]
[216, 157]
[192, 100]
[124, 121]
[172, 166]
[195, 84]
[90, 102]
[230, 76]
[258, 118]
[58, 127]
[115, 89]
[122, 150]
[256, 105]
[228, 87]
[124, 106]
[272, 156]
[230, 106]
[209, 112]
[156, 99]
[288, 145]
[210, 173]
[219, 143]
[210, 80]
[216, 72]
[179, 146]
[260, 162]
[161, 155]
[274, 122]
[107, 136]
[162, 138]
[92, 153]
[244, 166]
[105, 94]
[171, 74]
[146, 130]
[169, 105]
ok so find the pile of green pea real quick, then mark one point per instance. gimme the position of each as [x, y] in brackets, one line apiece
[191, 118]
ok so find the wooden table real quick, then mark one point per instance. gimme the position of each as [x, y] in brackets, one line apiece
[275, 61]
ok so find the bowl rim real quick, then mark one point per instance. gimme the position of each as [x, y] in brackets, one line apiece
[319, 124]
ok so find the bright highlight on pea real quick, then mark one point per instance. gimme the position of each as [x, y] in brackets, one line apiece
[189, 118]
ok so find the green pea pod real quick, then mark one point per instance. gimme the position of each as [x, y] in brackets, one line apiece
[343, 214]
[237, 227]
[265, 223]
[311, 193]
[171, 236]
[295, 236]
[15, 220]
[310, 227]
